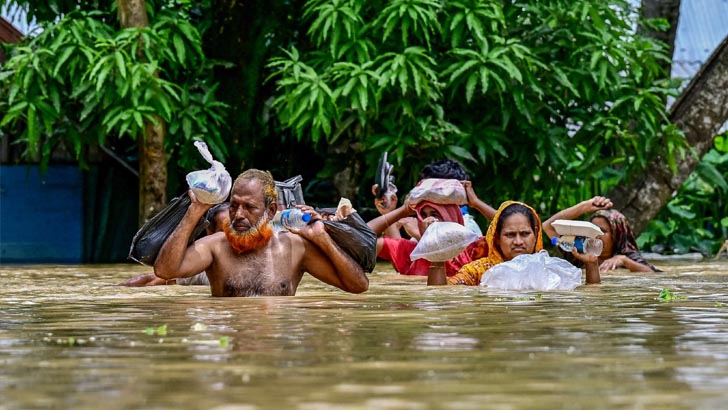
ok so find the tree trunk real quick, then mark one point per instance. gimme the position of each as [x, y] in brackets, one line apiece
[670, 11]
[699, 112]
[152, 158]
[346, 180]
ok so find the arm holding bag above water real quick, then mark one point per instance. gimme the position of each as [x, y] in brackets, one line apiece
[211, 186]
[443, 241]
[356, 238]
[149, 239]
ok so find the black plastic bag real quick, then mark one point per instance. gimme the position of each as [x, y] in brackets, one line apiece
[356, 238]
[149, 239]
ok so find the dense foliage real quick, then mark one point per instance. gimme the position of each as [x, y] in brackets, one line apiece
[83, 81]
[549, 102]
[546, 102]
[696, 219]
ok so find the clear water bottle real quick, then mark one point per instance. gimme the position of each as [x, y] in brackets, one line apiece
[469, 221]
[293, 217]
[590, 246]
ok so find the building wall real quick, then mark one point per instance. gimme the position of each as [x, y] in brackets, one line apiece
[41, 218]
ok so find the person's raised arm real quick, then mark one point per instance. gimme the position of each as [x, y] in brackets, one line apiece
[475, 202]
[386, 204]
[175, 259]
[381, 223]
[327, 262]
[591, 267]
[575, 212]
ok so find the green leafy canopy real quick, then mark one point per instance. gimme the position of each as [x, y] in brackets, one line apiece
[82, 81]
[537, 99]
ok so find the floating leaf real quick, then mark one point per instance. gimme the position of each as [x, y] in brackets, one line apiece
[667, 296]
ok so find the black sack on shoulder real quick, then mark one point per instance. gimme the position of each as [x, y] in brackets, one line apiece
[356, 238]
[149, 239]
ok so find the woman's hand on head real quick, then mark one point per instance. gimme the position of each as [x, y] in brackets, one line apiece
[470, 193]
[597, 203]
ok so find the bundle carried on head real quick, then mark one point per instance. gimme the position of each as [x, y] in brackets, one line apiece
[438, 191]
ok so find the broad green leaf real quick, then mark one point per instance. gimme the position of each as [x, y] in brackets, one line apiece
[461, 152]
[179, 48]
[32, 131]
[120, 64]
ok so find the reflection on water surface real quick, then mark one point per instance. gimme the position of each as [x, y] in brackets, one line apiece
[70, 339]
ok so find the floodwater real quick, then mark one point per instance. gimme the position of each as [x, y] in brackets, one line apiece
[69, 339]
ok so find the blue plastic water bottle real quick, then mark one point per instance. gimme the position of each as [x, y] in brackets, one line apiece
[591, 246]
[293, 217]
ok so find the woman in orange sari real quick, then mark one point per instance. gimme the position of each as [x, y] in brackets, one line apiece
[515, 230]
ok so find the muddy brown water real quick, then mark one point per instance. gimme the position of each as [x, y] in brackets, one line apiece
[71, 339]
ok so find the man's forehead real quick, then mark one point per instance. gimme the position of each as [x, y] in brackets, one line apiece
[248, 188]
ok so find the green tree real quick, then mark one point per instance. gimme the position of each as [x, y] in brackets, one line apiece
[84, 80]
[696, 218]
[544, 101]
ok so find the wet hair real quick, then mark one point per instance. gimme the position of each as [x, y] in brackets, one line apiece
[516, 209]
[212, 213]
[270, 193]
[446, 169]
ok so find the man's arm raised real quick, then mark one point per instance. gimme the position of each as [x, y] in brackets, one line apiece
[327, 262]
[175, 259]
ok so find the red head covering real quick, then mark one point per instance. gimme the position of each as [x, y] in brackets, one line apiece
[448, 212]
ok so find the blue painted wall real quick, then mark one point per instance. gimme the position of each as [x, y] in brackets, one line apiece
[41, 217]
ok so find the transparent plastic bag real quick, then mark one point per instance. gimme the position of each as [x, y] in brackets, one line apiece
[439, 191]
[443, 241]
[537, 271]
[211, 186]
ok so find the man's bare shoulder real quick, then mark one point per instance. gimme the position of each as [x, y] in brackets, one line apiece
[213, 239]
[216, 242]
[288, 239]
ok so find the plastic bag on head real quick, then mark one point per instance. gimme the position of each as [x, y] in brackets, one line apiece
[443, 241]
[537, 271]
[439, 191]
[211, 186]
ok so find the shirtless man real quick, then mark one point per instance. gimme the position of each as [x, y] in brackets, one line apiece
[216, 219]
[248, 258]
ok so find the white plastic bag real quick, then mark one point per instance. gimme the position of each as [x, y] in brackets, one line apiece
[443, 241]
[211, 186]
[439, 191]
[537, 271]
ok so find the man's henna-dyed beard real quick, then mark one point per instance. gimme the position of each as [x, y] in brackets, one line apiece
[253, 238]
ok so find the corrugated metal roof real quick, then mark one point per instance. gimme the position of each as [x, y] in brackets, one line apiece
[702, 26]
[17, 17]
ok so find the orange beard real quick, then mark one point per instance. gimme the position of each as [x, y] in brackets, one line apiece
[253, 238]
